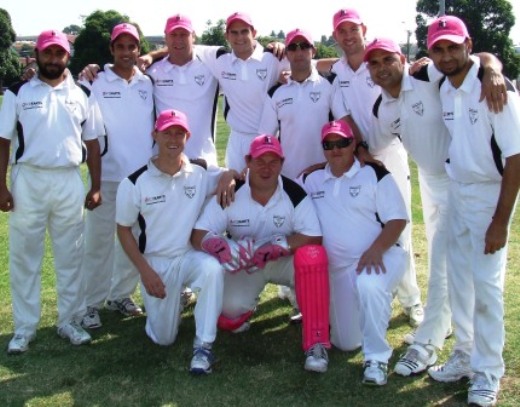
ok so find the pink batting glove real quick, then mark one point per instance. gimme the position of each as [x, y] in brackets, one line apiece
[270, 251]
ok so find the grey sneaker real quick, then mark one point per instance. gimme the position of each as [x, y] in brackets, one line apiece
[483, 391]
[375, 373]
[91, 320]
[19, 344]
[125, 306]
[416, 360]
[317, 359]
[415, 314]
[409, 338]
[202, 361]
[75, 333]
[456, 368]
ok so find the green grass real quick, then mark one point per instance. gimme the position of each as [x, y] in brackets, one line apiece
[258, 368]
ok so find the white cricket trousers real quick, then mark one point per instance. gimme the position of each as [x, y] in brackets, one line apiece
[53, 199]
[437, 313]
[109, 274]
[237, 148]
[476, 280]
[395, 159]
[198, 271]
[361, 306]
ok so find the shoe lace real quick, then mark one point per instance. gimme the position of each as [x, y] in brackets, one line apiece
[202, 354]
[127, 303]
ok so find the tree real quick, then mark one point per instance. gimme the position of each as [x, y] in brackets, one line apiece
[72, 29]
[489, 23]
[9, 65]
[325, 51]
[214, 34]
[92, 45]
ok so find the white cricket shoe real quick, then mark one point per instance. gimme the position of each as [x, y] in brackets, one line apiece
[91, 319]
[483, 391]
[416, 360]
[456, 368]
[75, 333]
[415, 314]
[317, 359]
[19, 344]
[375, 373]
[202, 361]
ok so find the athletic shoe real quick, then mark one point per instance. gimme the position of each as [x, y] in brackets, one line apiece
[415, 314]
[75, 333]
[91, 319]
[483, 391]
[409, 338]
[456, 368]
[125, 306]
[375, 373]
[19, 344]
[416, 360]
[317, 359]
[296, 317]
[202, 361]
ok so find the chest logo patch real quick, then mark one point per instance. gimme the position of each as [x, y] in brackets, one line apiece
[143, 94]
[473, 116]
[190, 191]
[418, 108]
[315, 96]
[370, 82]
[262, 74]
[200, 79]
[354, 191]
[278, 220]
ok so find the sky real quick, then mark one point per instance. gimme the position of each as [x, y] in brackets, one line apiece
[383, 18]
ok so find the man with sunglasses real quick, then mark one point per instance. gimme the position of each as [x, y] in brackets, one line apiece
[362, 214]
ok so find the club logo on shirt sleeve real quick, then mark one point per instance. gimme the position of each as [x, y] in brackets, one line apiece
[315, 96]
[190, 191]
[418, 108]
[262, 74]
[473, 116]
[278, 220]
[354, 190]
[200, 80]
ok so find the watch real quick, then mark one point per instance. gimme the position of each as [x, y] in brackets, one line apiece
[363, 144]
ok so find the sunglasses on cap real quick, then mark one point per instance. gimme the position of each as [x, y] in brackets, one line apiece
[341, 143]
[293, 46]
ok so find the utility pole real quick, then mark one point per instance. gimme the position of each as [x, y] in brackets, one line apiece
[442, 7]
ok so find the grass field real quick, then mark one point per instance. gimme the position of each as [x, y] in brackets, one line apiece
[262, 367]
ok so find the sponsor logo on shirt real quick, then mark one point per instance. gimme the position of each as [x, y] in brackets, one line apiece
[354, 190]
[164, 82]
[395, 127]
[315, 96]
[239, 223]
[283, 102]
[278, 220]
[262, 74]
[200, 80]
[448, 116]
[190, 191]
[344, 84]
[370, 82]
[111, 95]
[418, 108]
[152, 200]
[318, 195]
[32, 105]
[473, 116]
[231, 76]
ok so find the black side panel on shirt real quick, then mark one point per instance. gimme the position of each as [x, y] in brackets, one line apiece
[222, 51]
[83, 88]
[200, 162]
[273, 89]
[16, 87]
[293, 190]
[141, 239]
[330, 76]
[375, 108]
[422, 74]
[497, 154]
[239, 184]
[134, 176]
[306, 174]
[21, 142]
[380, 170]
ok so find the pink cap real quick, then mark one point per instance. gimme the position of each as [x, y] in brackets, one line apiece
[298, 33]
[346, 14]
[124, 28]
[238, 16]
[169, 118]
[52, 37]
[338, 127]
[384, 44]
[265, 143]
[178, 21]
[449, 28]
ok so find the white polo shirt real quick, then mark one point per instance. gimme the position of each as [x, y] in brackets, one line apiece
[192, 89]
[244, 83]
[48, 124]
[288, 211]
[353, 208]
[415, 117]
[481, 139]
[162, 209]
[299, 111]
[128, 114]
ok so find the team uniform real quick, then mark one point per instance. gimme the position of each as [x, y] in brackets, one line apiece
[151, 202]
[190, 88]
[481, 140]
[298, 111]
[288, 211]
[415, 118]
[244, 84]
[360, 94]
[47, 126]
[352, 211]
[126, 146]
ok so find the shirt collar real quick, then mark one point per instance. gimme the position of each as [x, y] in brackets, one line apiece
[256, 55]
[112, 76]
[186, 167]
[348, 174]
[313, 77]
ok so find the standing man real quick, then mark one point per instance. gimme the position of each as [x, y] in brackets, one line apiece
[484, 169]
[52, 121]
[270, 220]
[122, 92]
[362, 214]
[157, 207]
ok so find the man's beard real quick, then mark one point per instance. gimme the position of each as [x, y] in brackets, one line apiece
[50, 71]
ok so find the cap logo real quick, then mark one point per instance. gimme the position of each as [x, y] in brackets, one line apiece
[177, 18]
[268, 140]
[442, 24]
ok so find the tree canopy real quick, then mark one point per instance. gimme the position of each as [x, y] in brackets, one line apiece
[489, 23]
[214, 34]
[93, 42]
[9, 66]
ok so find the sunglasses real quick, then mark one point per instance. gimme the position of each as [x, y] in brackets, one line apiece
[341, 143]
[301, 45]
